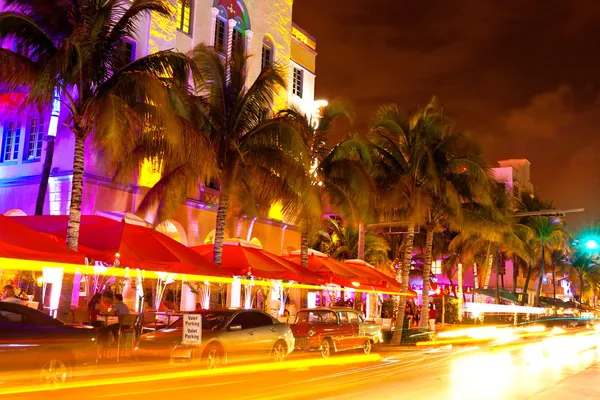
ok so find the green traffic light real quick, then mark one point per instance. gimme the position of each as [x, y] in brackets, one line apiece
[592, 244]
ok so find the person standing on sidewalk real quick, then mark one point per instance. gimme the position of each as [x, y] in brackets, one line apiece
[432, 317]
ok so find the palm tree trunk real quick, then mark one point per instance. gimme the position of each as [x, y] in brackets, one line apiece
[526, 285]
[41, 197]
[66, 291]
[581, 282]
[426, 277]
[459, 294]
[361, 241]
[406, 262]
[515, 274]
[541, 280]
[220, 225]
[76, 193]
[304, 248]
[452, 287]
[489, 263]
[475, 281]
[553, 283]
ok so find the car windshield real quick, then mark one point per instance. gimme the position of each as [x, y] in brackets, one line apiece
[316, 317]
[211, 320]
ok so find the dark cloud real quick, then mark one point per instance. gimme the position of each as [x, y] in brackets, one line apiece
[522, 75]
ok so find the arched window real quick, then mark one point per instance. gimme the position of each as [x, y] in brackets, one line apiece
[220, 43]
[268, 52]
[238, 40]
[15, 212]
[174, 230]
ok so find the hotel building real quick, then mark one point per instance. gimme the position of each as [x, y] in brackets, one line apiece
[267, 33]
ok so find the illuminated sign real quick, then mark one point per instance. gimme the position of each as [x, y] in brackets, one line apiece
[192, 329]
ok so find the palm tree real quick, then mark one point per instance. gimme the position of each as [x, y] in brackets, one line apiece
[252, 158]
[392, 143]
[77, 48]
[338, 175]
[548, 235]
[558, 263]
[341, 243]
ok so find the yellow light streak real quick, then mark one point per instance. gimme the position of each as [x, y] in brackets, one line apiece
[30, 265]
[241, 369]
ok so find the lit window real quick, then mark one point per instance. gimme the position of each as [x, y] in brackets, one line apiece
[184, 15]
[36, 135]
[10, 141]
[220, 36]
[237, 41]
[436, 267]
[267, 54]
[298, 80]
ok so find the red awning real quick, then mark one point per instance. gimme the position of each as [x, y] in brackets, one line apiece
[20, 242]
[243, 259]
[135, 246]
[343, 274]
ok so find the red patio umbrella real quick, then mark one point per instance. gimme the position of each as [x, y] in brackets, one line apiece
[241, 259]
[337, 272]
[135, 246]
[20, 242]
[365, 267]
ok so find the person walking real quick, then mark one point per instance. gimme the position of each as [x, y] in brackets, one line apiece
[432, 317]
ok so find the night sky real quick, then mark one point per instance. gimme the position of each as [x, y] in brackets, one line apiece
[522, 76]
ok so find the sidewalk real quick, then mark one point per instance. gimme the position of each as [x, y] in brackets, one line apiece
[584, 385]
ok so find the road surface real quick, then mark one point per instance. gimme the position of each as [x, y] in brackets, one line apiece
[564, 365]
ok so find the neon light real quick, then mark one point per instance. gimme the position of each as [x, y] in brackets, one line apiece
[478, 308]
[31, 265]
[236, 287]
[53, 125]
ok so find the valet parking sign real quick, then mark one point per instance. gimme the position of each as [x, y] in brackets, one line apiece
[192, 329]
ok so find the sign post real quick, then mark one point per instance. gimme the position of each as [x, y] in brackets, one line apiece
[192, 329]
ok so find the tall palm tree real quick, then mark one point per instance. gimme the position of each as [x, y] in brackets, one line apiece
[252, 158]
[338, 174]
[392, 144]
[77, 47]
[548, 235]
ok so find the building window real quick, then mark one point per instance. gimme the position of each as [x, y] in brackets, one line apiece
[36, 136]
[10, 141]
[267, 53]
[298, 81]
[436, 267]
[129, 50]
[237, 41]
[220, 36]
[184, 16]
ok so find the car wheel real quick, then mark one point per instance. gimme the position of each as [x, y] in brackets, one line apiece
[55, 371]
[326, 348]
[279, 352]
[367, 347]
[213, 357]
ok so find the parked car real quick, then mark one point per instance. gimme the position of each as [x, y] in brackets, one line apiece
[227, 334]
[329, 330]
[41, 348]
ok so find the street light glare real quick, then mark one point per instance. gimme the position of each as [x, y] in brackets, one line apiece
[592, 244]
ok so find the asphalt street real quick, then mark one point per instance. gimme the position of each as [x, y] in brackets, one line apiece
[552, 368]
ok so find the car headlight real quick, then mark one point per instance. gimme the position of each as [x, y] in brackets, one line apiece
[311, 333]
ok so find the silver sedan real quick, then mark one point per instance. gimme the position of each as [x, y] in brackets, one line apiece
[227, 334]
